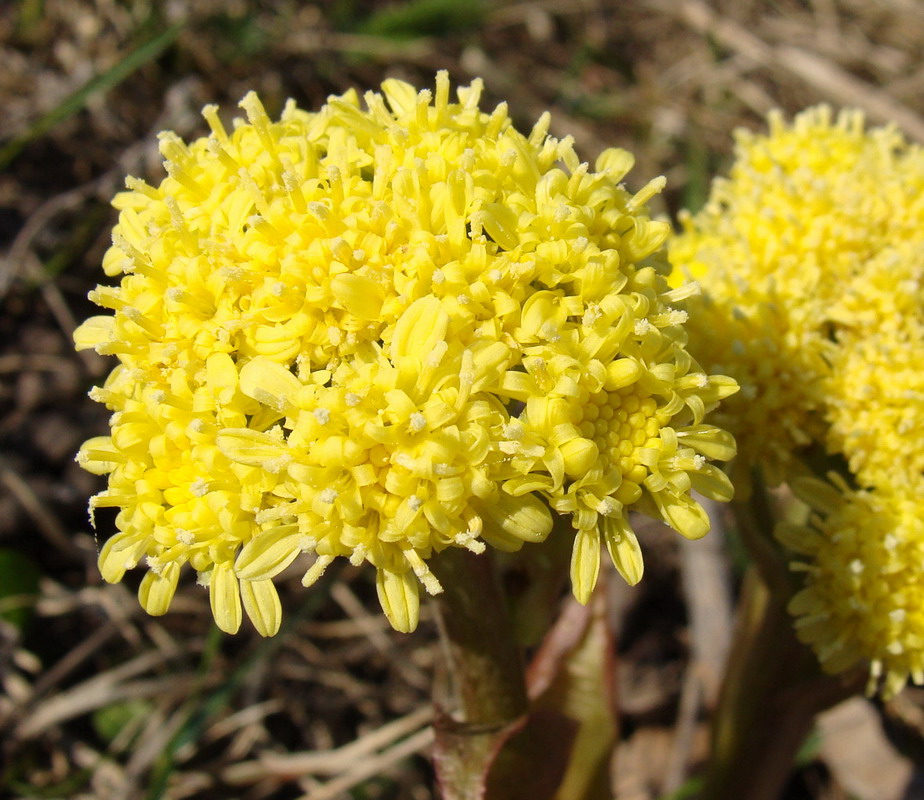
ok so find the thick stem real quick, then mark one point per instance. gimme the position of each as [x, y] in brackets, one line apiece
[482, 695]
[484, 662]
[774, 686]
[540, 574]
[755, 520]
[773, 690]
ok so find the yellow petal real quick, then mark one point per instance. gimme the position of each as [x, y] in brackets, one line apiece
[683, 514]
[798, 538]
[585, 563]
[99, 456]
[400, 599]
[250, 447]
[269, 553]
[722, 386]
[518, 385]
[94, 332]
[401, 96]
[818, 494]
[221, 376]
[338, 451]
[113, 559]
[580, 455]
[804, 602]
[269, 383]
[622, 372]
[649, 190]
[646, 237]
[623, 548]
[616, 162]
[361, 296]
[711, 482]
[510, 521]
[157, 589]
[225, 598]
[261, 602]
[316, 570]
[714, 443]
[538, 311]
[422, 325]
[490, 361]
[501, 224]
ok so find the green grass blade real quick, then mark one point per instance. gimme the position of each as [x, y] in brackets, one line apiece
[424, 18]
[690, 789]
[100, 83]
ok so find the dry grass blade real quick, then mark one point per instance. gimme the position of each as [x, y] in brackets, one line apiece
[371, 626]
[857, 750]
[830, 80]
[847, 90]
[160, 729]
[106, 688]
[380, 764]
[45, 522]
[708, 595]
[15, 260]
[329, 762]
[89, 697]
[708, 592]
[242, 719]
[14, 364]
[73, 659]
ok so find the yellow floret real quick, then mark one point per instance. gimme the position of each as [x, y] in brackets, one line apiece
[810, 259]
[863, 558]
[336, 332]
[790, 251]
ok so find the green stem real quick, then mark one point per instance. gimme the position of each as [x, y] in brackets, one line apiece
[482, 694]
[755, 521]
[539, 576]
[773, 690]
[485, 666]
[774, 686]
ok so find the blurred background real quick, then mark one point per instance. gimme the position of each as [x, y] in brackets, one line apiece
[101, 701]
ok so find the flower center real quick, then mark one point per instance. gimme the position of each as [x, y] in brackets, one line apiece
[621, 424]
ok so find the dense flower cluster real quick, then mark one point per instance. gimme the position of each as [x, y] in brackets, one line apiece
[375, 333]
[811, 257]
[861, 553]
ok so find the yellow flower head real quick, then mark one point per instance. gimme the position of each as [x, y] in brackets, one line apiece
[792, 250]
[875, 392]
[863, 558]
[811, 256]
[377, 332]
